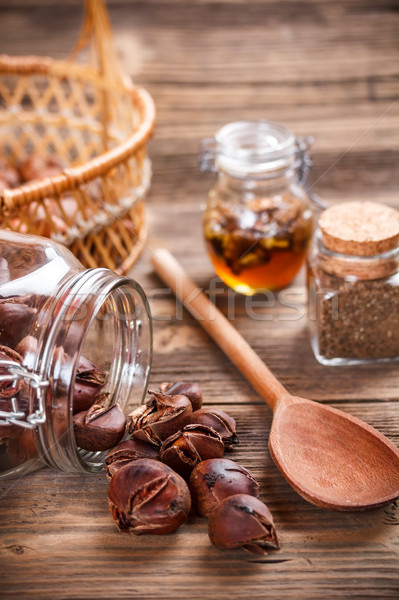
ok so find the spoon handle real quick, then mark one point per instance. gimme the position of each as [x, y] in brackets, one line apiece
[219, 328]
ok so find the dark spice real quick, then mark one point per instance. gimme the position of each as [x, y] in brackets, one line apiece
[358, 320]
[354, 283]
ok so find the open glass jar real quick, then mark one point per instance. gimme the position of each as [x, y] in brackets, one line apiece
[258, 221]
[66, 333]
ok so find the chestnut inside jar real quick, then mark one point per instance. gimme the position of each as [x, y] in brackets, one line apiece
[84, 337]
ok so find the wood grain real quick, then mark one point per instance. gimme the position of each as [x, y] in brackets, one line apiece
[323, 67]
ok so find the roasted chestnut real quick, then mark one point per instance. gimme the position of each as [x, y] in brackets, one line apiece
[215, 479]
[27, 348]
[89, 381]
[99, 428]
[8, 389]
[186, 448]
[159, 418]
[220, 421]
[8, 175]
[37, 167]
[16, 319]
[243, 521]
[21, 447]
[126, 452]
[191, 390]
[146, 496]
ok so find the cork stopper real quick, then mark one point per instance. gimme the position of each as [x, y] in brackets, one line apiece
[360, 228]
[364, 231]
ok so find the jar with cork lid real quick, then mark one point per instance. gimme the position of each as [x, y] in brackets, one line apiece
[353, 284]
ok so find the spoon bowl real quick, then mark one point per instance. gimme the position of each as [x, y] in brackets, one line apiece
[330, 458]
[333, 459]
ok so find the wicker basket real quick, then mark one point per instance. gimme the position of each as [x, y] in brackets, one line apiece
[96, 125]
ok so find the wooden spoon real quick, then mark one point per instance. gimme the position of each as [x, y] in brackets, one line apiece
[329, 457]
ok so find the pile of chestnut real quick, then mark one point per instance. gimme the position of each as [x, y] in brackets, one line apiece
[48, 215]
[51, 215]
[174, 458]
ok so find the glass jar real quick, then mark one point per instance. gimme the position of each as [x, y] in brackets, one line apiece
[258, 221]
[66, 334]
[353, 285]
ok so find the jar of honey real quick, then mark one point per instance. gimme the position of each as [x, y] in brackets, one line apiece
[258, 220]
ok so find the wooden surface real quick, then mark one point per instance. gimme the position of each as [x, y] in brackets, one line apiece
[328, 68]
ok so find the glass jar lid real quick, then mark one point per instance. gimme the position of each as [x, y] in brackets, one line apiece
[255, 148]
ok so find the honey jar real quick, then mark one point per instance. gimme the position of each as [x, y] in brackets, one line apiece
[258, 221]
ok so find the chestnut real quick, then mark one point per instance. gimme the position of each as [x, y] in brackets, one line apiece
[9, 389]
[191, 390]
[4, 270]
[220, 421]
[28, 345]
[159, 418]
[215, 479]
[99, 428]
[146, 496]
[16, 320]
[9, 175]
[37, 167]
[21, 447]
[243, 521]
[126, 452]
[186, 448]
[89, 381]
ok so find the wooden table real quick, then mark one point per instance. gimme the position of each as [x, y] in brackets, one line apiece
[326, 68]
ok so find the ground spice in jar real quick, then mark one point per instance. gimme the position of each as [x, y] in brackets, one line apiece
[354, 284]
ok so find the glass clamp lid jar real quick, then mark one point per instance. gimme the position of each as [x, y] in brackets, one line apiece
[258, 221]
[68, 336]
[353, 281]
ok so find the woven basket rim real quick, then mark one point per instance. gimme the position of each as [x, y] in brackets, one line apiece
[71, 178]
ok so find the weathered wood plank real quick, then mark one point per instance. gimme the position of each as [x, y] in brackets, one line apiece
[321, 551]
[323, 67]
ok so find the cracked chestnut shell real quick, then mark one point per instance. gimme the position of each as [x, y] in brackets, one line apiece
[126, 452]
[191, 390]
[99, 428]
[215, 479]
[89, 381]
[220, 421]
[159, 418]
[188, 447]
[147, 497]
[8, 389]
[243, 521]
